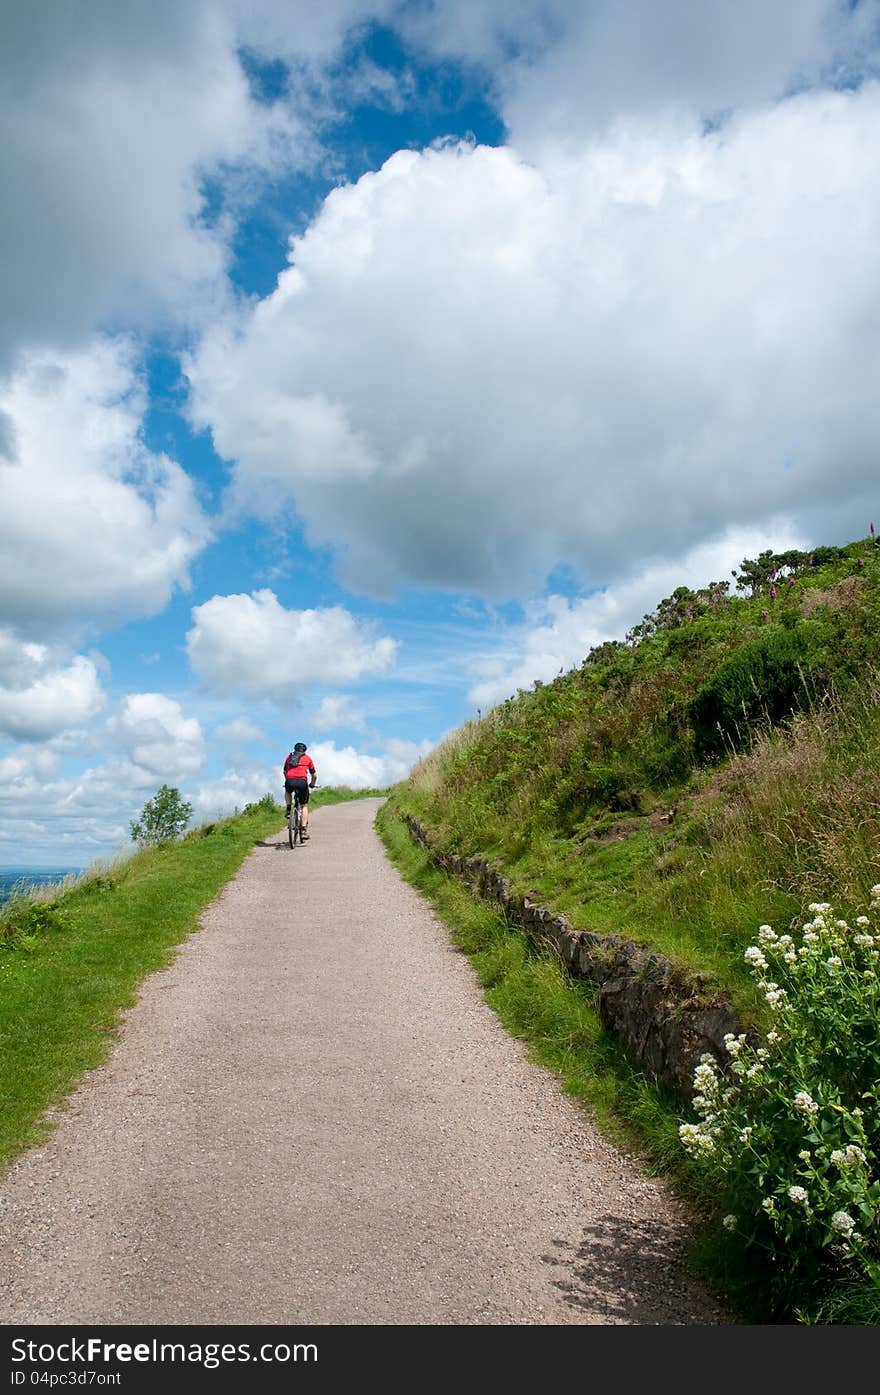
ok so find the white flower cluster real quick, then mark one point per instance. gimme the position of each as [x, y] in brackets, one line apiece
[805, 1103]
[763, 1103]
[851, 1156]
[696, 1139]
[843, 1222]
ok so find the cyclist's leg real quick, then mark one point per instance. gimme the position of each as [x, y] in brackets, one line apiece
[302, 799]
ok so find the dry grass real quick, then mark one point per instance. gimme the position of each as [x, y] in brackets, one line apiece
[843, 595]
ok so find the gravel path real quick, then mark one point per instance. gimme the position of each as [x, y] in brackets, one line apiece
[312, 1117]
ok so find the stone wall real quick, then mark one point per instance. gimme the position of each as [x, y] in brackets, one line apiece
[664, 1016]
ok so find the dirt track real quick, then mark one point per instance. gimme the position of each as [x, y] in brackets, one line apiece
[312, 1117]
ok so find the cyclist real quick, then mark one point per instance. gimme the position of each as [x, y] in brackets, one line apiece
[300, 776]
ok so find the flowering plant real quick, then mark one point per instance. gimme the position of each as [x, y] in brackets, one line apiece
[789, 1133]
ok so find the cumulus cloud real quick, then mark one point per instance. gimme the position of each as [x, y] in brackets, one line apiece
[241, 784]
[360, 770]
[41, 695]
[240, 730]
[636, 57]
[112, 119]
[561, 71]
[92, 525]
[158, 738]
[81, 816]
[559, 632]
[249, 645]
[338, 710]
[476, 369]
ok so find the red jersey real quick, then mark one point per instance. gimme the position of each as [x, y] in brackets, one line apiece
[298, 767]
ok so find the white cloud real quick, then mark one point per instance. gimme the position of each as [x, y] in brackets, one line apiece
[477, 369]
[338, 710]
[359, 770]
[559, 633]
[79, 816]
[240, 731]
[40, 694]
[112, 118]
[158, 738]
[251, 646]
[240, 785]
[638, 57]
[562, 71]
[92, 525]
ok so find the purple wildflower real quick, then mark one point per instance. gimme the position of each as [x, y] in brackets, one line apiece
[773, 593]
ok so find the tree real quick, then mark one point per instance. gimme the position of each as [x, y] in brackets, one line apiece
[163, 817]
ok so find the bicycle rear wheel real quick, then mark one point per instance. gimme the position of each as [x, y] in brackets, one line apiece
[290, 818]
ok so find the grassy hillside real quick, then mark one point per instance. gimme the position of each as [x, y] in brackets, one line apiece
[716, 770]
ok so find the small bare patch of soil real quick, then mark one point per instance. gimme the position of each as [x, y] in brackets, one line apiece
[657, 821]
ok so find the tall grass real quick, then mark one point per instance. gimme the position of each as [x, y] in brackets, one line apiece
[793, 819]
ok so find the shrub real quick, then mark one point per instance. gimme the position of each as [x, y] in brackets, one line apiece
[789, 1140]
[761, 681]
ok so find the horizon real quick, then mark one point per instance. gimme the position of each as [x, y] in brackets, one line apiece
[361, 367]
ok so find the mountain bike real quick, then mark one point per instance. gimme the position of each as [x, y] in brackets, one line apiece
[294, 821]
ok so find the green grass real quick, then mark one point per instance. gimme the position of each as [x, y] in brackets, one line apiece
[70, 965]
[568, 787]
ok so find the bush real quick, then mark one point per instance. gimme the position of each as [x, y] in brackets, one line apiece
[762, 681]
[789, 1141]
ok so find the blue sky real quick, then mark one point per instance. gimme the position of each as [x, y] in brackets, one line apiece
[363, 363]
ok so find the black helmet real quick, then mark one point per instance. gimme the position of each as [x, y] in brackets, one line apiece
[300, 746]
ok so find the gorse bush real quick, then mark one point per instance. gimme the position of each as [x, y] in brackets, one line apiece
[788, 1140]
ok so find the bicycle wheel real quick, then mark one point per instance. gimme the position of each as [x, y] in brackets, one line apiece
[290, 818]
[297, 826]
